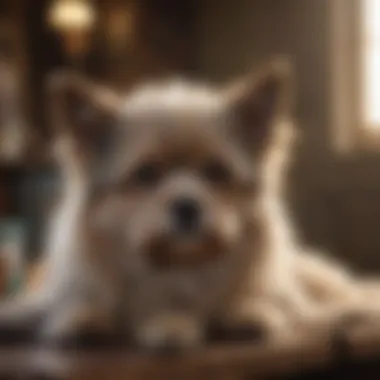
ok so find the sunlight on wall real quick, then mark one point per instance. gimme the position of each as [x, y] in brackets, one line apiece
[371, 65]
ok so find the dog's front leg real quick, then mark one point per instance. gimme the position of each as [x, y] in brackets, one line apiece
[169, 332]
[20, 317]
[78, 323]
[251, 319]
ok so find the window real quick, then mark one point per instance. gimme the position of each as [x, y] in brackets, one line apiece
[371, 64]
[355, 32]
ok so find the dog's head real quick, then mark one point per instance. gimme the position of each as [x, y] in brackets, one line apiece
[178, 166]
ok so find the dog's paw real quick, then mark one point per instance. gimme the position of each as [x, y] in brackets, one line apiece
[83, 328]
[169, 334]
[237, 331]
[19, 320]
[359, 320]
[256, 321]
[11, 334]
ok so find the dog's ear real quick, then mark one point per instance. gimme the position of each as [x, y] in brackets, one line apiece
[256, 101]
[82, 109]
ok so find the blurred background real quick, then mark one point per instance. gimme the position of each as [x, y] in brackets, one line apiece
[334, 186]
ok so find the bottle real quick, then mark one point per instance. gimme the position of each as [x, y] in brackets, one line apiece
[11, 259]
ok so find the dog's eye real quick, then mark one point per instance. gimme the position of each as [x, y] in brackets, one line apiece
[216, 172]
[147, 175]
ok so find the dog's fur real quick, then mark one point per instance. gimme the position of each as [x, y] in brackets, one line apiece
[114, 248]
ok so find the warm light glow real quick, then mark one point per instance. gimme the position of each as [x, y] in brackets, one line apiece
[371, 63]
[68, 15]
[120, 26]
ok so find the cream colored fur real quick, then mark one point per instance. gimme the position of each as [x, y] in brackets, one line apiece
[320, 290]
[279, 287]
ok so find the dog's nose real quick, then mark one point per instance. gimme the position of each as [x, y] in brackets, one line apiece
[186, 213]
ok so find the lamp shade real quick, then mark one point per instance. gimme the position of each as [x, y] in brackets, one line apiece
[65, 15]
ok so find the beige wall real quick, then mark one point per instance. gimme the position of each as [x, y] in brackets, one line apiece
[335, 199]
[235, 35]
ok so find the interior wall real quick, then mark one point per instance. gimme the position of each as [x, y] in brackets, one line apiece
[335, 199]
[160, 43]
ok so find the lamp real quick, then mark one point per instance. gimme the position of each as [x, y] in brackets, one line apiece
[73, 20]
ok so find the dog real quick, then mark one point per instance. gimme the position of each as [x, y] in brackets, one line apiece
[172, 221]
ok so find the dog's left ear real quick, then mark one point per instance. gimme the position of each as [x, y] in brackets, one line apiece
[82, 109]
[255, 103]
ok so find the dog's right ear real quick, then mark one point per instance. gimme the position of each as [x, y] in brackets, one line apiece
[257, 101]
[82, 109]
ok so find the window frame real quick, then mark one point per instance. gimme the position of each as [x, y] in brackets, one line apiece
[347, 97]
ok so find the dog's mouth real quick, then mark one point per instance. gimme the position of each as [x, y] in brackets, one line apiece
[169, 252]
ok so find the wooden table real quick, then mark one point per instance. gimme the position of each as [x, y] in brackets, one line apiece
[225, 361]
[318, 355]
